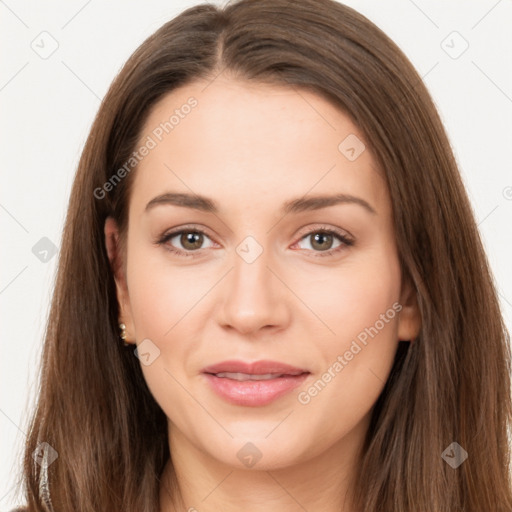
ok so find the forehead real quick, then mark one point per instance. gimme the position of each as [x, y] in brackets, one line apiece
[253, 144]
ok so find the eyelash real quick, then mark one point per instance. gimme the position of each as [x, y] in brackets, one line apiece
[346, 241]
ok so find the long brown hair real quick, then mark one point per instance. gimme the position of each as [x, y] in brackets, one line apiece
[451, 385]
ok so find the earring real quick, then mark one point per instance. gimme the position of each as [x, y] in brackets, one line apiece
[123, 334]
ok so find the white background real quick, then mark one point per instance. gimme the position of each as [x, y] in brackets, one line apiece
[47, 107]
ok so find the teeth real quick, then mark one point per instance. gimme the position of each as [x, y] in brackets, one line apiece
[248, 376]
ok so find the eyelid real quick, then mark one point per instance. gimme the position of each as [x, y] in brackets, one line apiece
[309, 229]
[167, 235]
[345, 238]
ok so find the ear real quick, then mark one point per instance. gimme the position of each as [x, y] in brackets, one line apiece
[409, 319]
[115, 256]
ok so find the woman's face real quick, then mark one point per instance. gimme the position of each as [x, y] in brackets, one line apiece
[285, 255]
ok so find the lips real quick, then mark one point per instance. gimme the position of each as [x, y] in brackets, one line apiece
[255, 368]
[253, 384]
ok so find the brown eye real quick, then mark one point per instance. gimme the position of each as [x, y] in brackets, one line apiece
[322, 241]
[185, 242]
[191, 240]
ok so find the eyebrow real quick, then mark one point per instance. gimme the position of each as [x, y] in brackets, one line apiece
[298, 205]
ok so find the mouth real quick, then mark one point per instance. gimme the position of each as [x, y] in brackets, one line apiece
[252, 376]
[253, 384]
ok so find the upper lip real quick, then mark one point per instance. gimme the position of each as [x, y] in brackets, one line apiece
[254, 368]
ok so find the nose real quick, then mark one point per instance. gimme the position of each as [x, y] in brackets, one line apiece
[254, 295]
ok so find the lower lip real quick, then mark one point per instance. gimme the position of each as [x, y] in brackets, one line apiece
[254, 392]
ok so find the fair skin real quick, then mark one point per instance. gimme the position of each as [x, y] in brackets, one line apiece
[250, 148]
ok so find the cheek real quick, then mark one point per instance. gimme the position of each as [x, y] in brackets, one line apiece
[165, 299]
[361, 307]
[353, 297]
[161, 293]
[161, 298]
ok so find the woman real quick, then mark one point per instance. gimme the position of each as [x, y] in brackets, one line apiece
[255, 369]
